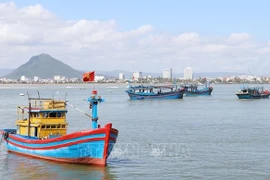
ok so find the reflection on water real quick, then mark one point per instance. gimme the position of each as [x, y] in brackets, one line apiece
[23, 167]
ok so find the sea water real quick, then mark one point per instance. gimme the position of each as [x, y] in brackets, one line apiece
[201, 137]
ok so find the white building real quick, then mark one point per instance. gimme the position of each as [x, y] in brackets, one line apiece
[99, 78]
[23, 78]
[59, 78]
[121, 76]
[167, 73]
[188, 73]
[36, 78]
[137, 75]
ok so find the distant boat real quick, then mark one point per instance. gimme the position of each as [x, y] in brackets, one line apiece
[195, 89]
[154, 92]
[252, 93]
[112, 87]
[21, 94]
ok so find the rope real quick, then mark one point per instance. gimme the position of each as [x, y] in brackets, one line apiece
[79, 110]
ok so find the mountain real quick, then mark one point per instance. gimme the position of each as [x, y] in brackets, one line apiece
[44, 66]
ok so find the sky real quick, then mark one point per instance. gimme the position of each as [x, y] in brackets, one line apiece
[147, 36]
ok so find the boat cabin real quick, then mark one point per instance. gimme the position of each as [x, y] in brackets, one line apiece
[42, 118]
[191, 87]
[152, 89]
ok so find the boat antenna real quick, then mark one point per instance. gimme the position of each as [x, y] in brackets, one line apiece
[39, 98]
[57, 94]
[150, 81]
[66, 95]
[29, 116]
[250, 72]
[28, 95]
[252, 75]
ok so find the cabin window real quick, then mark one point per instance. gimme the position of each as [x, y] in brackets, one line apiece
[35, 114]
[61, 114]
[53, 126]
[52, 114]
[48, 127]
[43, 127]
[36, 131]
[58, 126]
[63, 126]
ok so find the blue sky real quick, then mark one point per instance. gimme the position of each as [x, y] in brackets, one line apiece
[209, 17]
[139, 35]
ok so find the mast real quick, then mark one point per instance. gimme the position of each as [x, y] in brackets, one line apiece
[29, 116]
[94, 100]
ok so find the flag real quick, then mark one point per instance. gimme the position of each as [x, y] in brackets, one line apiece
[89, 76]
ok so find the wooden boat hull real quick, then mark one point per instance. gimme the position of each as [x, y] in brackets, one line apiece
[166, 95]
[252, 96]
[91, 147]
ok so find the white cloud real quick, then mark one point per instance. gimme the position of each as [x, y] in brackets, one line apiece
[95, 44]
[214, 48]
[239, 37]
[187, 39]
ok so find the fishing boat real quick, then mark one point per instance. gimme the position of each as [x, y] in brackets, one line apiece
[195, 89]
[252, 93]
[41, 132]
[154, 92]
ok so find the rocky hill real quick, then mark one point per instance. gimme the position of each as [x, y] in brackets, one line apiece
[44, 66]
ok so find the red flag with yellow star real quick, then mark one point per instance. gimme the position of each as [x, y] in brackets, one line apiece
[89, 76]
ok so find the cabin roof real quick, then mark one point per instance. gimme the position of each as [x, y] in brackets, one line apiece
[36, 109]
[152, 87]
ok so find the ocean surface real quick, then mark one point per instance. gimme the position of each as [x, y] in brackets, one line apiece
[202, 137]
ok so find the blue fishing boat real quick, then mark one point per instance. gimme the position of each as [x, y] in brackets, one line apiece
[195, 89]
[252, 93]
[42, 133]
[154, 92]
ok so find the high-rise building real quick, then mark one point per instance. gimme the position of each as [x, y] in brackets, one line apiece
[188, 73]
[121, 76]
[167, 73]
[137, 75]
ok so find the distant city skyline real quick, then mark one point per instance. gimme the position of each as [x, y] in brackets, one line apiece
[209, 36]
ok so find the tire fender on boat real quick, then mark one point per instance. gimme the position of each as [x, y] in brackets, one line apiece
[5, 135]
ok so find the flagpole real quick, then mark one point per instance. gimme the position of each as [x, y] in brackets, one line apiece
[93, 86]
[89, 77]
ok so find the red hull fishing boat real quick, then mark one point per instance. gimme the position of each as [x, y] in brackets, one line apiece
[41, 131]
